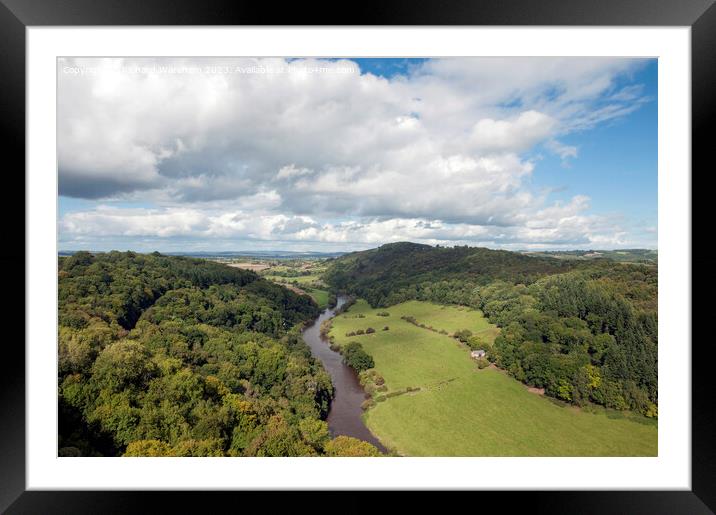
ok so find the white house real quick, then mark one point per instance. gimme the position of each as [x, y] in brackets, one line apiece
[477, 354]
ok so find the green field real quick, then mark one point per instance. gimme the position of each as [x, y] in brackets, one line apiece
[320, 296]
[463, 411]
[301, 279]
[310, 283]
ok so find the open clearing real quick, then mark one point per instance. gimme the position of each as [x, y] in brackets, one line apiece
[320, 296]
[300, 279]
[463, 411]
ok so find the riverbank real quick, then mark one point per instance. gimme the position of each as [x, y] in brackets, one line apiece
[437, 402]
[345, 416]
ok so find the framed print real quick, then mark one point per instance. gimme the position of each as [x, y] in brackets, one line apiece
[417, 253]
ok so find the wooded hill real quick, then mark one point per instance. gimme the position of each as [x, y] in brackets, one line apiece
[586, 331]
[173, 356]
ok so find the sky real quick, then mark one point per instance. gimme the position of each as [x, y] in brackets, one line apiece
[231, 154]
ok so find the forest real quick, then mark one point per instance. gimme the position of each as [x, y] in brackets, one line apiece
[173, 356]
[585, 331]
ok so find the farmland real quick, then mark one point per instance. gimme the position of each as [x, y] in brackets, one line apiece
[301, 275]
[320, 296]
[455, 409]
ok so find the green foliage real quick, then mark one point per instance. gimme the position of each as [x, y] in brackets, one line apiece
[169, 356]
[355, 357]
[120, 286]
[157, 448]
[148, 448]
[556, 316]
[380, 275]
[314, 432]
[279, 438]
[348, 446]
[463, 335]
[460, 411]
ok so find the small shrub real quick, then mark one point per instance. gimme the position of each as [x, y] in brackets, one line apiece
[464, 335]
[355, 357]
[325, 327]
[386, 328]
[370, 330]
[367, 404]
[352, 333]
[365, 377]
[383, 314]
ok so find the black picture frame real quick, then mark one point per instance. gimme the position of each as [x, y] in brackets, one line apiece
[17, 15]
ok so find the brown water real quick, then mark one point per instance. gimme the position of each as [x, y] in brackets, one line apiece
[344, 417]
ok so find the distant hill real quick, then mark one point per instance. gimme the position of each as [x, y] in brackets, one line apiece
[173, 356]
[583, 328]
[375, 274]
[265, 254]
[621, 255]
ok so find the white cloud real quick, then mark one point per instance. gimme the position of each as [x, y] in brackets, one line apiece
[557, 225]
[436, 155]
[564, 152]
[290, 171]
[109, 221]
[516, 135]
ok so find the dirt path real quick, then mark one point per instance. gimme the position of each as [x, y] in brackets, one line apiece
[294, 289]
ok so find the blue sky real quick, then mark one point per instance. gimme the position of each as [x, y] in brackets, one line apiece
[617, 163]
[505, 153]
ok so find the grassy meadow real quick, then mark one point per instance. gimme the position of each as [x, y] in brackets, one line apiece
[299, 279]
[309, 283]
[320, 296]
[463, 411]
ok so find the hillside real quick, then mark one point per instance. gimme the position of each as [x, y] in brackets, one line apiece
[585, 331]
[621, 255]
[435, 400]
[376, 274]
[172, 356]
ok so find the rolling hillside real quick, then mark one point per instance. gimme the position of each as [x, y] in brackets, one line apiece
[585, 331]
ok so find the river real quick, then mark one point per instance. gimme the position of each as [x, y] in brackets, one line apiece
[344, 417]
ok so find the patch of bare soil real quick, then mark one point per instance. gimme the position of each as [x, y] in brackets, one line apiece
[294, 289]
[538, 391]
